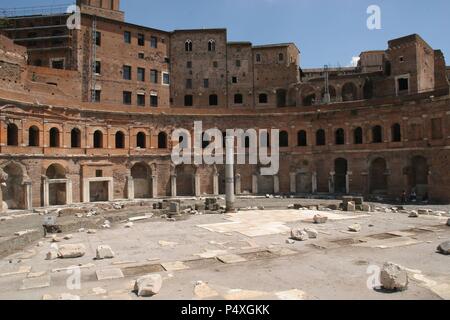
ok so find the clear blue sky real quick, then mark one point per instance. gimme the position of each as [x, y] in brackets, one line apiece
[326, 31]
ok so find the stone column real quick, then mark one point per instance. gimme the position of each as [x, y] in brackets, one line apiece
[331, 182]
[229, 173]
[293, 182]
[347, 182]
[28, 195]
[314, 182]
[130, 188]
[197, 185]
[154, 186]
[216, 184]
[276, 184]
[111, 190]
[86, 191]
[173, 185]
[255, 184]
[46, 192]
[69, 194]
[238, 184]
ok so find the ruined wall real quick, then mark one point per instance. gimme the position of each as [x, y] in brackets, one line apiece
[12, 64]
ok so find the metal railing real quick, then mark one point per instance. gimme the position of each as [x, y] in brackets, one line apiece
[34, 11]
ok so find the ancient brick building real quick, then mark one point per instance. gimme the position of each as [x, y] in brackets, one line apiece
[87, 114]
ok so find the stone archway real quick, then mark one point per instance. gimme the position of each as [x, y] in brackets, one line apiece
[418, 176]
[142, 180]
[378, 183]
[340, 176]
[55, 186]
[13, 192]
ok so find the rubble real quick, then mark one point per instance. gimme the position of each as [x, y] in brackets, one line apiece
[444, 248]
[148, 286]
[394, 277]
[52, 255]
[92, 231]
[299, 235]
[354, 228]
[69, 251]
[129, 225]
[68, 237]
[22, 233]
[312, 233]
[319, 219]
[413, 214]
[104, 252]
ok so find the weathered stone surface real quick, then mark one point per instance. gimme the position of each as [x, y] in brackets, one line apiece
[174, 207]
[354, 228]
[312, 233]
[52, 255]
[366, 207]
[351, 207]
[68, 251]
[394, 277]
[68, 296]
[148, 286]
[319, 219]
[129, 225]
[299, 235]
[444, 248]
[104, 252]
[92, 231]
[414, 214]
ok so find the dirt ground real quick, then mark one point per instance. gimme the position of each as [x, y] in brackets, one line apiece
[238, 256]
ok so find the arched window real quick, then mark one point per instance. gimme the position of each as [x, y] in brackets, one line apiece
[213, 100]
[263, 98]
[33, 136]
[320, 137]
[120, 140]
[284, 139]
[238, 99]
[396, 133]
[162, 140]
[188, 45]
[302, 138]
[188, 100]
[13, 135]
[358, 136]
[141, 140]
[340, 136]
[349, 92]
[98, 139]
[54, 138]
[211, 45]
[377, 134]
[75, 138]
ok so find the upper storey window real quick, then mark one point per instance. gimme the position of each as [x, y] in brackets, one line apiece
[211, 45]
[127, 36]
[141, 39]
[188, 46]
[280, 57]
[258, 57]
[153, 42]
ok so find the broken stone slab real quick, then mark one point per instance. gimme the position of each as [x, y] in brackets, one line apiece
[148, 286]
[92, 231]
[319, 219]
[312, 233]
[414, 214]
[394, 277]
[366, 207]
[109, 274]
[70, 251]
[351, 207]
[299, 235]
[424, 211]
[140, 218]
[129, 225]
[104, 252]
[22, 233]
[354, 228]
[52, 255]
[68, 237]
[444, 248]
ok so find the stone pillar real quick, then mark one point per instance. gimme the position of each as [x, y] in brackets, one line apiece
[111, 190]
[173, 185]
[216, 184]
[314, 182]
[28, 195]
[255, 184]
[237, 184]
[154, 186]
[276, 184]
[46, 192]
[229, 173]
[69, 194]
[331, 182]
[347, 182]
[130, 188]
[197, 185]
[86, 191]
[293, 182]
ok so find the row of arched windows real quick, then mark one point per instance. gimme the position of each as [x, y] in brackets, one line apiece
[75, 138]
[214, 99]
[340, 136]
[188, 45]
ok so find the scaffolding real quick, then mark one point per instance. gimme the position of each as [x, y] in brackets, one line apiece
[21, 12]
